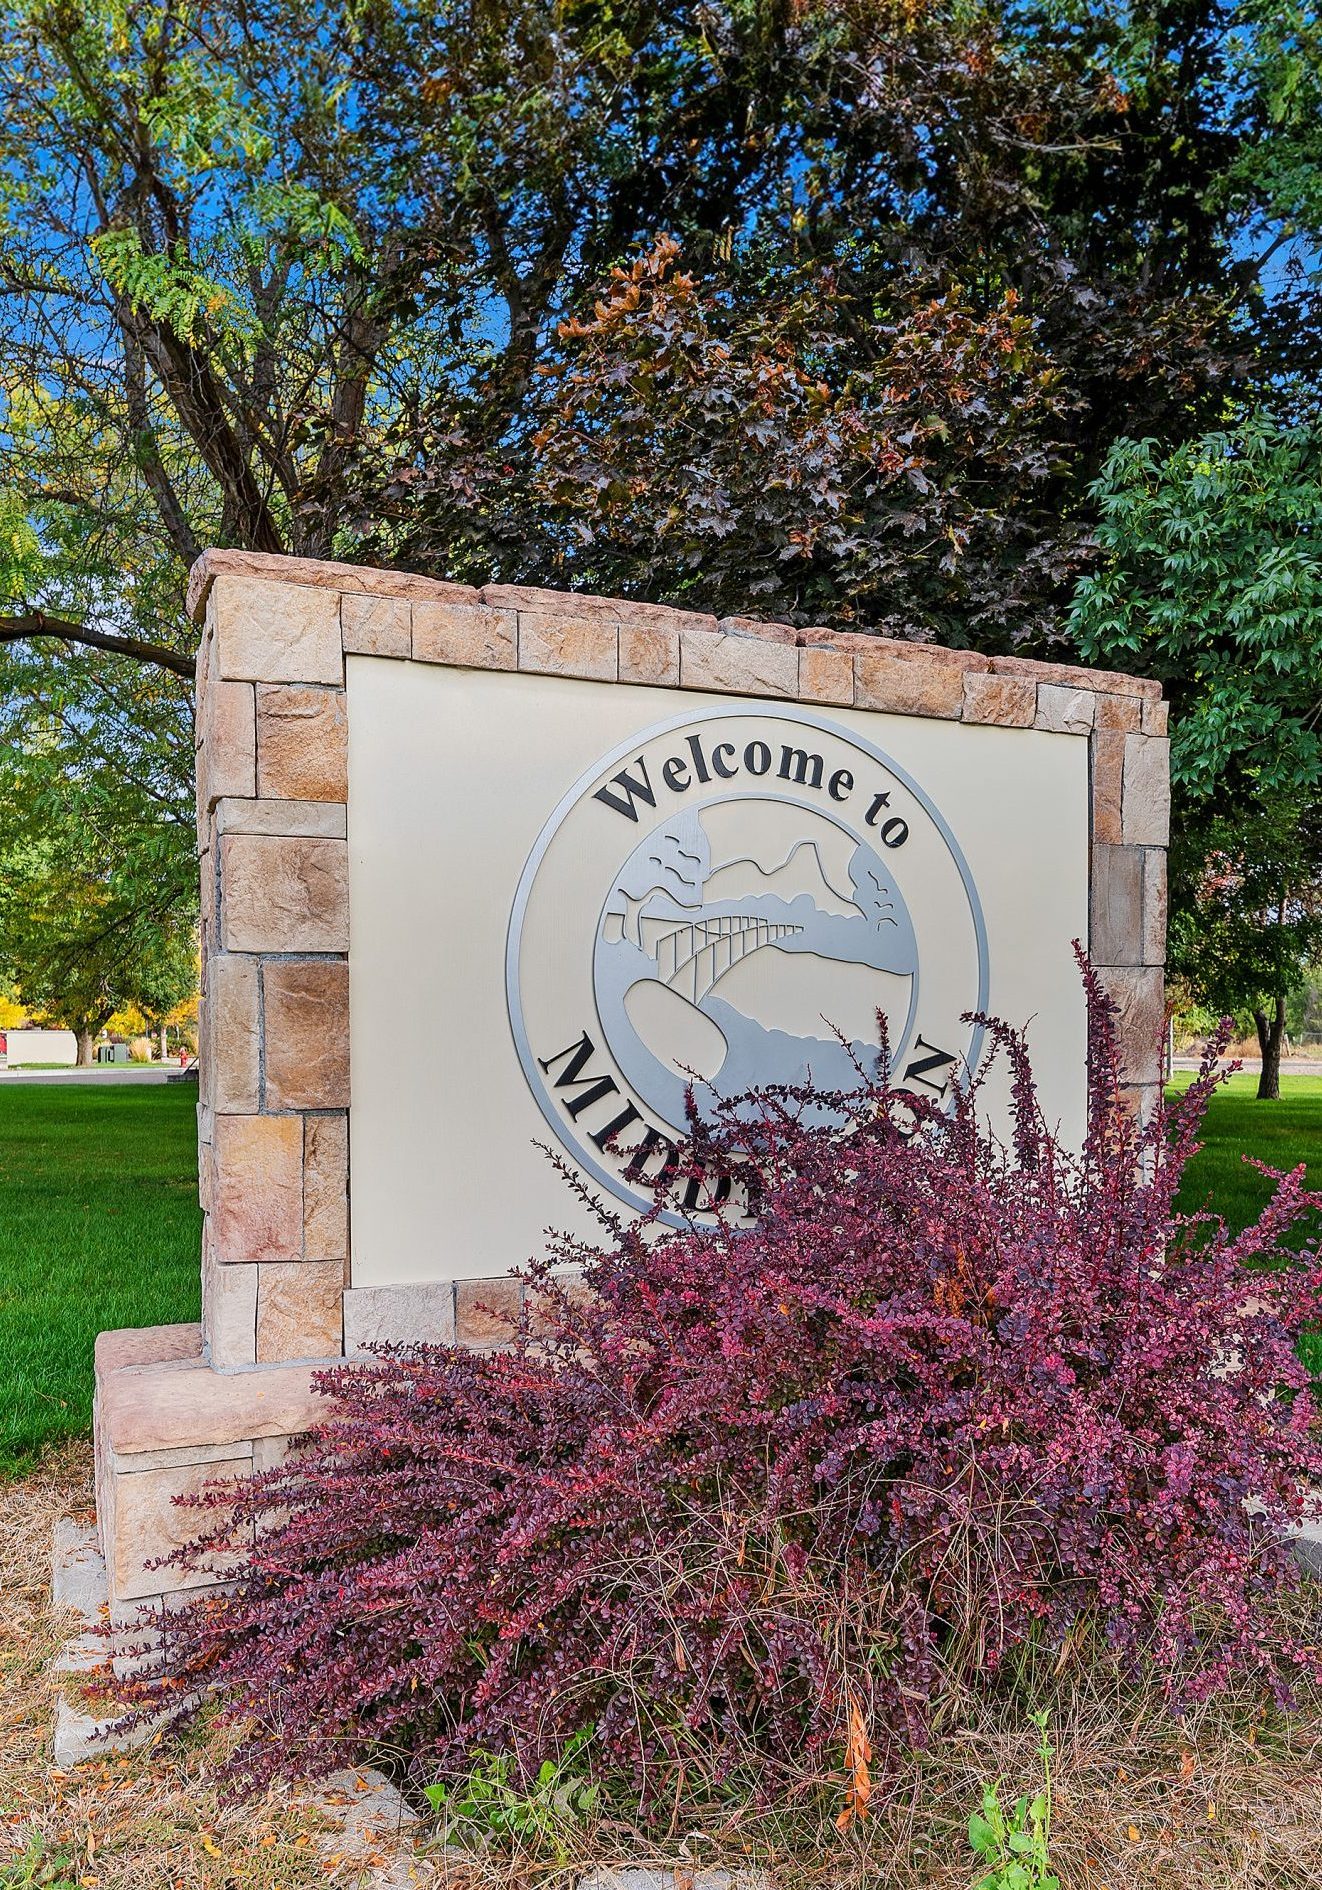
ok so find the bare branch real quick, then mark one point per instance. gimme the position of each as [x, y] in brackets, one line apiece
[35, 623]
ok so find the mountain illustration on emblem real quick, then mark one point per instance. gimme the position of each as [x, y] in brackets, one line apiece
[737, 940]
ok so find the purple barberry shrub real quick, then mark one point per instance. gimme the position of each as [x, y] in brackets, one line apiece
[773, 1491]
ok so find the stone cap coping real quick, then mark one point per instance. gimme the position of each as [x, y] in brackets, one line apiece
[146, 1345]
[324, 574]
[176, 1403]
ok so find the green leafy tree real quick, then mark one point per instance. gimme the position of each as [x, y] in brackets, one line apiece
[97, 877]
[298, 278]
[1211, 577]
[324, 279]
[78, 954]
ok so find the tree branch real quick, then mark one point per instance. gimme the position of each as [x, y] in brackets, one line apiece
[35, 623]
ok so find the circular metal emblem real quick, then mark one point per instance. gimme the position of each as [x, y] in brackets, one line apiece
[728, 900]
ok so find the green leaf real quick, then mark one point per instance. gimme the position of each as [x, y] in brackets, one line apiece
[982, 1837]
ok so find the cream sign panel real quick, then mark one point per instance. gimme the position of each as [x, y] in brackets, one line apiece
[585, 898]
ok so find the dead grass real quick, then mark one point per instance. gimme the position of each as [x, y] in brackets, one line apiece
[1231, 1800]
[149, 1820]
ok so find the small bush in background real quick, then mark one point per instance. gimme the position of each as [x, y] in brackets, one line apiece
[778, 1493]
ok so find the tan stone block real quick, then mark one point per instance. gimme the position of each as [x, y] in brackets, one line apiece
[1140, 1102]
[376, 626]
[554, 603]
[205, 1178]
[202, 668]
[486, 1311]
[201, 805]
[229, 1314]
[668, 618]
[130, 1347]
[1065, 711]
[270, 1453]
[826, 675]
[1154, 905]
[284, 895]
[421, 1313]
[1116, 930]
[855, 640]
[232, 1048]
[543, 1312]
[470, 636]
[171, 1459]
[1156, 718]
[258, 1188]
[1124, 713]
[1147, 794]
[664, 617]
[738, 665]
[321, 573]
[150, 1522]
[758, 627]
[1007, 701]
[207, 889]
[554, 645]
[305, 1013]
[302, 744]
[227, 746]
[326, 1187]
[175, 1403]
[272, 632]
[311, 820]
[299, 1311]
[1108, 771]
[889, 677]
[1072, 676]
[649, 655]
[1139, 994]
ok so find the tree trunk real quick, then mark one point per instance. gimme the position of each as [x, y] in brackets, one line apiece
[1270, 1035]
[165, 1033]
[86, 1043]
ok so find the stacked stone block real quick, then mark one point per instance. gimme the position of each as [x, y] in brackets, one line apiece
[176, 1404]
[275, 993]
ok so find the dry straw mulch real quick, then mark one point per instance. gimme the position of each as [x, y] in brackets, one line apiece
[1230, 1800]
[149, 1820]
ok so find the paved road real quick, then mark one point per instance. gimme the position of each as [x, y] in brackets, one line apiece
[1290, 1066]
[107, 1073]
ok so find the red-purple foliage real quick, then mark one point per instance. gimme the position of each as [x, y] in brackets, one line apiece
[779, 1482]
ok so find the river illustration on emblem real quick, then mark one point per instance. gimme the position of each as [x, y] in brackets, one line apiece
[749, 942]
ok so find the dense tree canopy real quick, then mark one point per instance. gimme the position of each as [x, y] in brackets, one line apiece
[323, 277]
[833, 311]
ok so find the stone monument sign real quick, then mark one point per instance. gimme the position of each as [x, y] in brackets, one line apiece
[495, 876]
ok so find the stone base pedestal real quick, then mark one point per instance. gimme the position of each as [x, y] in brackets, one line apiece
[166, 1425]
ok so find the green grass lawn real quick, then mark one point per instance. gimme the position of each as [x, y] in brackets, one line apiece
[1282, 1133]
[99, 1227]
[99, 1223]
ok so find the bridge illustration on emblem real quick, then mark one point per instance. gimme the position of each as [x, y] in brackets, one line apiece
[751, 941]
